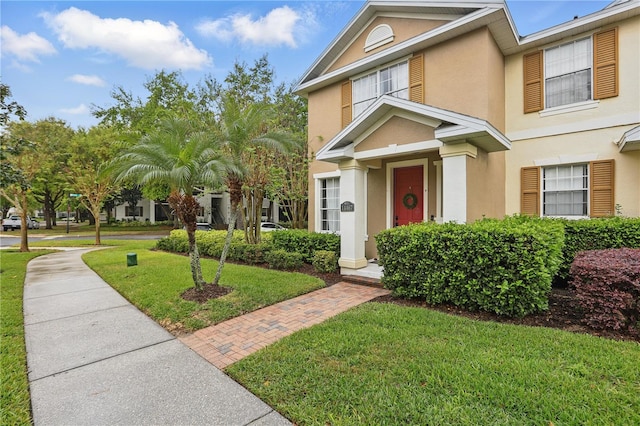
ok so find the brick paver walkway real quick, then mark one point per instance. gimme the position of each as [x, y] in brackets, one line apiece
[232, 340]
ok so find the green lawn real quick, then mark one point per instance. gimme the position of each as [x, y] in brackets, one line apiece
[15, 404]
[384, 364]
[156, 284]
[84, 229]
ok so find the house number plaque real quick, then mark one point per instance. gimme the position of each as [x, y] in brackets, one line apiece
[347, 206]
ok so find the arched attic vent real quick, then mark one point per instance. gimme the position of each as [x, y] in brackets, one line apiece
[380, 35]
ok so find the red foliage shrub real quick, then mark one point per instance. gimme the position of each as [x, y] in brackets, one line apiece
[606, 284]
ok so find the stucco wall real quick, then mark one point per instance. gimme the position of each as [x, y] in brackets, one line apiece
[579, 134]
[403, 29]
[620, 110]
[598, 144]
[324, 124]
[466, 75]
[396, 130]
[485, 186]
[376, 208]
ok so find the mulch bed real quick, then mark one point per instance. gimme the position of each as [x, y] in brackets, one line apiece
[563, 314]
[209, 291]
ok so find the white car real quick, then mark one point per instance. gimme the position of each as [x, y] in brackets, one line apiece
[14, 222]
[270, 226]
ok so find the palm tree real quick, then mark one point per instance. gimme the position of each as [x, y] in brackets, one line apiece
[242, 128]
[182, 157]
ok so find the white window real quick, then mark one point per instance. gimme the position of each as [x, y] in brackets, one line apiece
[393, 80]
[330, 204]
[565, 190]
[133, 211]
[567, 70]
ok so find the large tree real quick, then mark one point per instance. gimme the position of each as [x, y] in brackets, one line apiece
[90, 152]
[243, 131]
[289, 182]
[182, 156]
[168, 95]
[17, 168]
[50, 138]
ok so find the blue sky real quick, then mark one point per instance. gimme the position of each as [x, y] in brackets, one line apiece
[61, 57]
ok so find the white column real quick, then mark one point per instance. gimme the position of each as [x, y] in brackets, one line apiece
[352, 224]
[454, 181]
[152, 211]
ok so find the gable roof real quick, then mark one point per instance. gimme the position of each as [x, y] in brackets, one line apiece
[450, 127]
[470, 15]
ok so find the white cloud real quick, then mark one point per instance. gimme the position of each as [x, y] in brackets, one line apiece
[79, 110]
[89, 80]
[27, 47]
[278, 27]
[145, 44]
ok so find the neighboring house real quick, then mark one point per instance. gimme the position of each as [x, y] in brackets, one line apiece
[214, 209]
[440, 111]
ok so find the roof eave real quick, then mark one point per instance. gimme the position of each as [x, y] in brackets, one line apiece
[630, 141]
[452, 128]
[482, 17]
[577, 26]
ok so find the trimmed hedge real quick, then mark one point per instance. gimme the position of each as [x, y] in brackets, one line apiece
[251, 254]
[597, 234]
[175, 242]
[504, 266]
[305, 242]
[282, 259]
[325, 261]
[210, 243]
[606, 284]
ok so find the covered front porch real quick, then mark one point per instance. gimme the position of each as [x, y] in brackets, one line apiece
[402, 162]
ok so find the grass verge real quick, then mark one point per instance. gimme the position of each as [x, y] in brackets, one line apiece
[155, 285]
[385, 364]
[15, 403]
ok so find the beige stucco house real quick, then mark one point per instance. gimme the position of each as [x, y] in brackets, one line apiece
[439, 110]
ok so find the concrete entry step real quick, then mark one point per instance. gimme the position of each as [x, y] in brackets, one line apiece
[368, 281]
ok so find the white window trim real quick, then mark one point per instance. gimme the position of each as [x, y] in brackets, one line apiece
[379, 67]
[318, 177]
[561, 109]
[376, 71]
[424, 162]
[566, 160]
[564, 109]
[573, 217]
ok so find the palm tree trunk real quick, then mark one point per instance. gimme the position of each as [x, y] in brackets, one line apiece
[194, 257]
[227, 242]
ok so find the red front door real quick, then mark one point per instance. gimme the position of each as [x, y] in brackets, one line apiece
[408, 195]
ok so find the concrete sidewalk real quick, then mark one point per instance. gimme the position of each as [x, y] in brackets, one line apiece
[94, 359]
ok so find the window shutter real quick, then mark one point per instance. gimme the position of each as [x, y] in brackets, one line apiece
[346, 103]
[530, 186]
[605, 64]
[602, 188]
[533, 98]
[416, 78]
